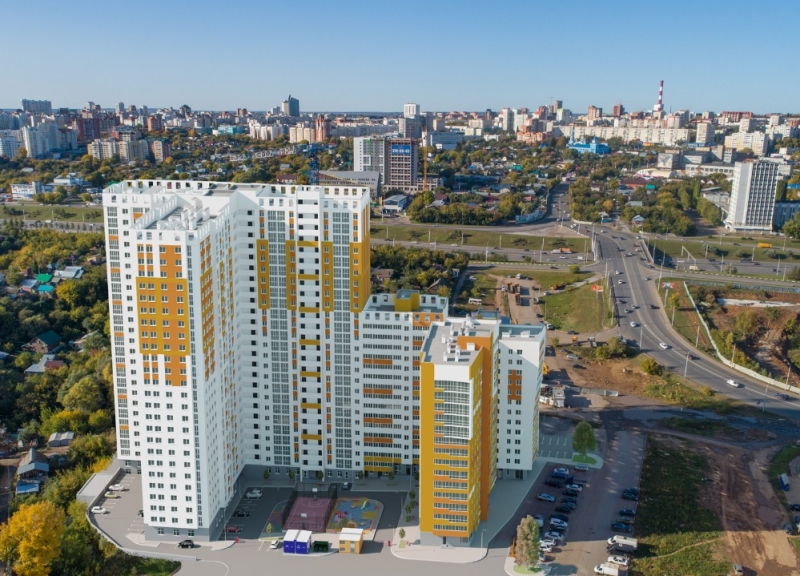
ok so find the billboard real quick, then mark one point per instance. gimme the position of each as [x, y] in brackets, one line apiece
[401, 150]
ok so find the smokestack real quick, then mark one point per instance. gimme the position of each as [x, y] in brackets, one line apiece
[660, 106]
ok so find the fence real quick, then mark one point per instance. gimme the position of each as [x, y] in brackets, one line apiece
[729, 363]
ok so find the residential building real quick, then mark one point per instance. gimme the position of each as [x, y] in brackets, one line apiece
[26, 191]
[506, 119]
[400, 167]
[103, 149]
[443, 140]
[411, 110]
[369, 154]
[291, 107]
[366, 179]
[648, 135]
[758, 142]
[322, 128]
[410, 127]
[9, 146]
[41, 140]
[133, 150]
[594, 113]
[755, 184]
[160, 149]
[221, 292]
[705, 134]
[154, 123]
[618, 110]
[37, 106]
[784, 211]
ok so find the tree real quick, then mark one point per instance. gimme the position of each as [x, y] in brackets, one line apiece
[583, 439]
[526, 551]
[792, 227]
[270, 529]
[85, 450]
[391, 475]
[30, 541]
[85, 395]
[402, 533]
[266, 474]
[320, 475]
[80, 553]
[575, 269]
[554, 341]
[650, 366]
[291, 474]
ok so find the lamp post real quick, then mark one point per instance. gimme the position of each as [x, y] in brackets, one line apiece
[697, 339]
[641, 336]
[686, 366]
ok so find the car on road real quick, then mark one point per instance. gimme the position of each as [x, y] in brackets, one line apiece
[563, 257]
[546, 497]
[186, 544]
[646, 278]
[782, 396]
[664, 346]
[116, 487]
[570, 492]
[627, 512]
[733, 383]
[617, 272]
[554, 483]
[621, 560]
[241, 514]
[565, 508]
[635, 307]
[253, 494]
[653, 307]
[233, 529]
[577, 487]
[620, 527]
[634, 325]
[99, 510]
[581, 467]
[276, 544]
[628, 310]
[620, 281]
[111, 495]
[346, 486]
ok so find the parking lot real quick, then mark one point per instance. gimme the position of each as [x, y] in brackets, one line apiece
[254, 512]
[598, 505]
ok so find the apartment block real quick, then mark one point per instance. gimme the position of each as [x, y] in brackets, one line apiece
[246, 339]
[753, 193]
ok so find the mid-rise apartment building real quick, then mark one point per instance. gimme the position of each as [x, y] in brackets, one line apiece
[753, 193]
[245, 339]
[396, 159]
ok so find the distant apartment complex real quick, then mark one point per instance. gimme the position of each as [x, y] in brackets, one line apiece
[396, 159]
[753, 194]
[246, 339]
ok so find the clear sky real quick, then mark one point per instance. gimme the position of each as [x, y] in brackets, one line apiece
[376, 54]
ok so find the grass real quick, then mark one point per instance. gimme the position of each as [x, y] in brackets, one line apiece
[686, 320]
[670, 515]
[702, 427]
[544, 279]
[57, 213]
[796, 543]
[731, 248]
[473, 237]
[675, 390]
[780, 465]
[580, 309]
[527, 569]
[580, 459]
[482, 287]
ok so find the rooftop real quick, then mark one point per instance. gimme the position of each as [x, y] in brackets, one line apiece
[441, 345]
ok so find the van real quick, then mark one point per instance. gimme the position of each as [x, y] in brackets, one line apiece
[476, 301]
[624, 540]
[694, 268]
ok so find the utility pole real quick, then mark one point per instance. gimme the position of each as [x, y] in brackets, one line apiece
[697, 339]
[673, 315]
[666, 291]
[641, 336]
[487, 252]
[686, 366]
[753, 257]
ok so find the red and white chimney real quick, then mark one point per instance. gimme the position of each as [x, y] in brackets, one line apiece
[660, 106]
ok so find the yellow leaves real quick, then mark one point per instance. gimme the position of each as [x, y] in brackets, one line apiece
[101, 465]
[31, 539]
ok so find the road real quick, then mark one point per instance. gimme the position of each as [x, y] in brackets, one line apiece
[653, 328]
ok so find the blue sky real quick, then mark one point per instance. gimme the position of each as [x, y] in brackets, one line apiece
[377, 55]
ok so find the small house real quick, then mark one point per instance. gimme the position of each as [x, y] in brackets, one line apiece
[638, 219]
[44, 343]
[70, 273]
[32, 472]
[351, 540]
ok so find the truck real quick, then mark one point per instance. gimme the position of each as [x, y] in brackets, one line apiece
[626, 540]
[694, 268]
[764, 245]
[784, 480]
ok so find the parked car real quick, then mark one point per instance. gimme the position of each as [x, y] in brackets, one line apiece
[346, 486]
[186, 544]
[625, 520]
[577, 487]
[276, 544]
[548, 541]
[559, 517]
[253, 494]
[111, 495]
[539, 519]
[554, 483]
[581, 467]
[99, 510]
[233, 529]
[619, 527]
[558, 524]
[579, 366]
[621, 560]
[572, 333]
[627, 512]
[573, 357]
[545, 547]
[568, 500]
[795, 507]
[738, 570]
[546, 497]
[554, 536]
[565, 508]
[630, 496]
[570, 492]
[788, 529]
[116, 487]
[241, 513]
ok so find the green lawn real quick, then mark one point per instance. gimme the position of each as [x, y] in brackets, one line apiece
[702, 427]
[796, 543]
[57, 213]
[734, 249]
[780, 465]
[580, 309]
[526, 570]
[482, 287]
[544, 278]
[686, 320]
[583, 459]
[675, 390]
[671, 517]
[473, 236]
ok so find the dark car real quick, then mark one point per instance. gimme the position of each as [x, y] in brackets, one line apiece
[572, 333]
[186, 544]
[568, 501]
[788, 529]
[625, 520]
[653, 307]
[627, 512]
[570, 492]
[564, 509]
[554, 483]
[561, 517]
[629, 496]
[620, 527]
[782, 396]
[579, 366]
[241, 513]
[632, 490]
[795, 507]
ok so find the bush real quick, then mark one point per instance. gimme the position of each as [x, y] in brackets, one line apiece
[651, 367]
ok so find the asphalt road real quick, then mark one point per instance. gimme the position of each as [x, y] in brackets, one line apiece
[653, 328]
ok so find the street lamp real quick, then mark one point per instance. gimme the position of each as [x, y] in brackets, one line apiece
[686, 367]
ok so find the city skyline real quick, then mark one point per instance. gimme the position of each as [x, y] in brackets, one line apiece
[637, 46]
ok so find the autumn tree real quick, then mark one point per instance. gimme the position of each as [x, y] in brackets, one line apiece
[526, 550]
[31, 540]
[651, 367]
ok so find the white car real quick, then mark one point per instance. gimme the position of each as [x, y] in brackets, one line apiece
[621, 282]
[617, 272]
[545, 547]
[621, 560]
[556, 523]
[600, 569]
[548, 542]
[577, 487]
[99, 510]
[664, 346]
[634, 325]
[116, 487]
[581, 467]
[253, 494]
[554, 536]
[276, 544]
[539, 519]
[546, 497]
[733, 383]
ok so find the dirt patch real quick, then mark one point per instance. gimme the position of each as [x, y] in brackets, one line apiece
[751, 514]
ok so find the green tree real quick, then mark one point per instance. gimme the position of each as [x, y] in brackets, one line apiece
[792, 227]
[526, 549]
[86, 450]
[80, 553]
[651, 367]
[583, 439]
[575, 269]
[31, 540]
[402, 533]
[84, 396]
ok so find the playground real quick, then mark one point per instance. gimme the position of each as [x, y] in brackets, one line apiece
[355, 512]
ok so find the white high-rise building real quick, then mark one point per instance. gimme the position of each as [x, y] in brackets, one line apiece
[755, 184]
[246, 340]
[411, 110]
[705, 134]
